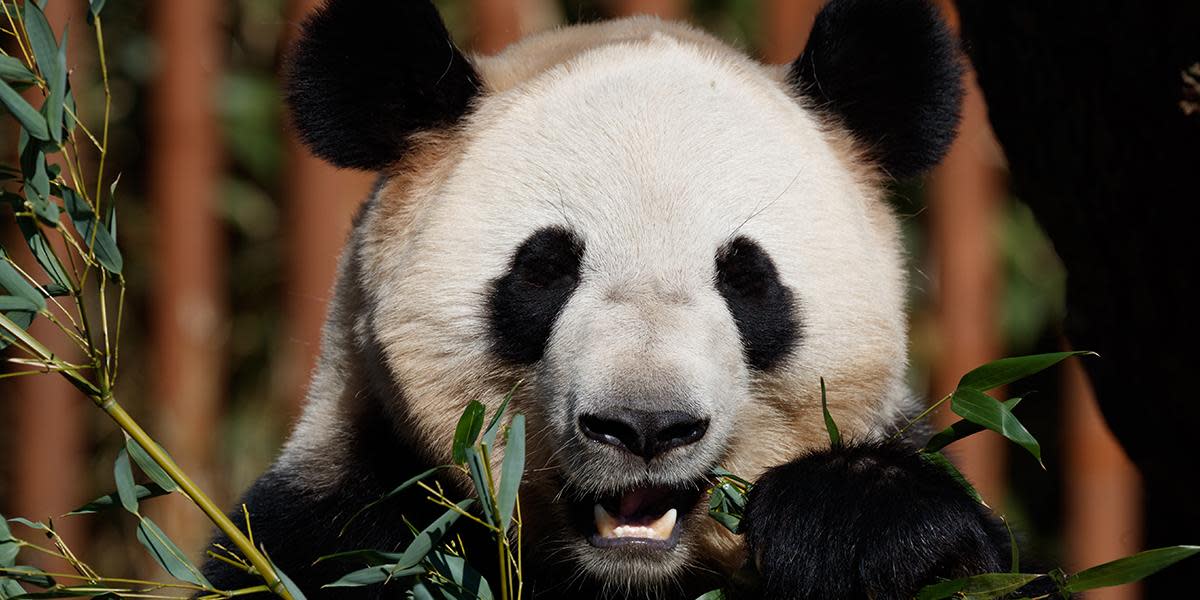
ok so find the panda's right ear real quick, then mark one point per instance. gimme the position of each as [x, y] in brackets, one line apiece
[364, 77]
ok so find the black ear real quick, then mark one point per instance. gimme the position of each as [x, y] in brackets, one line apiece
[891, 72]
[363, 77]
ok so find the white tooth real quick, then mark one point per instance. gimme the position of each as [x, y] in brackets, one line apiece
[663, 526]
[605, 523]
[640, 532]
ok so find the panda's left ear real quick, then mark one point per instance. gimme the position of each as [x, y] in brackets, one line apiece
[364, 77]
[890, 71]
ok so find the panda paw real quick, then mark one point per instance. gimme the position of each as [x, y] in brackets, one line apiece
[865, 521]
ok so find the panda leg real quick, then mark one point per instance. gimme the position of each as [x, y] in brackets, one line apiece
[871, 520]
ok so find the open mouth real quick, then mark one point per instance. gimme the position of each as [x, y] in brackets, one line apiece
[648, 517]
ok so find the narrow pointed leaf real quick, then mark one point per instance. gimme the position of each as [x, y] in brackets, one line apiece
[13, 70]
[29, 118]
[93, 232]
[1128, 569]
[457, 570]
[43, 252]
[479, 479]
[148, 466]
[394, 491]
[713, 595]
[168, 555]
[123, 474]
[429, 538]
[11, 303]
[371, 558]
[8, 545]
[41, 41]
[288, 584]
[94, 8]
[981, 409]
[988, 586]
[29, 575]
[467, 431]
[19, 320]
[511, 471]
[944, 463]
[10, 589]
[373, 575]
[141, 492]
[1008, 370]
[58, 90]
[420, 592]
[14, 283]
[489, 434]
[960, 429]
[835, 436]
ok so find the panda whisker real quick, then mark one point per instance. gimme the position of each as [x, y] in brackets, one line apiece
[760, 210]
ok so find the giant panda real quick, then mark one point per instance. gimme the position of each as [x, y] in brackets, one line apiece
[670, 245]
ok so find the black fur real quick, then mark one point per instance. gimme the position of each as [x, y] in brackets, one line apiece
[365, 76]
[525, 302]
[866, 521]
[761, 305]
[891, 72]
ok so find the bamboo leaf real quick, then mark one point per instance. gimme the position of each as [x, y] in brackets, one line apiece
[373, 575]
[94, 8]
[10, 589]
[479, 478]
[148, 466]
[420, 592]
[489, 434]
[57, 82]
[30, 575]
[43, 252]
[93, 231]
[287, 582]
[960, 429]
[835, 436]
[168, 555]
[511, 471]
[14, 283]
[15, 71]
[11, 303]
[979, 587]
[372, 558]
[940, 460]
[981, 409]
[1128, 569]
[141, 492]
[457, 570]
[429, 537]
[17, 319]
[8, 545]
[396, 490]
[467, 431]
[41, 41]
[1008, 370]
[713, 595]
[29, 118]
[123, 474]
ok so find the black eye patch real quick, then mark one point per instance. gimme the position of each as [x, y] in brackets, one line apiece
[525, 301]
[762, 306]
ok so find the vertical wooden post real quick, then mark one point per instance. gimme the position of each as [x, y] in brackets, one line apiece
[965, 194]
[666, 9]
[187, 291]
[1103, 502]
[497, 24]
[321, 201]
[49, 416]
[786, 25]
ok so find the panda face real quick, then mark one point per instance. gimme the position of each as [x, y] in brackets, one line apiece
[670, 252]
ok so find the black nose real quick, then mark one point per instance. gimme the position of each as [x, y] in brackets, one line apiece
[645, 433]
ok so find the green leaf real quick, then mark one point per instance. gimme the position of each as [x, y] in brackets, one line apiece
[937, 458]
[713, 595]
[123, 474]
[148, 466]
[30, 575]
[467, 431]
[420, 592]
[15, 71]
[29, 118]
[1008, 370]
[396, 490]
[287, 582]
[43, 252]
[1128, 569]
[979, 587]
[489, 434]
[731, 522]
[41, 41]
[835, 436]
[94, 8]
[168, 555]
[511, 471]
[140, 492]
[467, 580]
[11, 303]
[373, 575]
[58, 89]
[93, 232]
[479, 477]
[981, 409]
[429, 538]
[372, 558]
[960, 429]
[10, 589]
[19, 319]
[8, 545]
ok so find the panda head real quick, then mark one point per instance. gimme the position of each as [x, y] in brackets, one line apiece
[668, 243]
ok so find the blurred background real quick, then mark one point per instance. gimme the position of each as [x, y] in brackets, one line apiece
[231, 232]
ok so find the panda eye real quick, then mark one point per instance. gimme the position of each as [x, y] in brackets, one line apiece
[761, 305]
[549, 259]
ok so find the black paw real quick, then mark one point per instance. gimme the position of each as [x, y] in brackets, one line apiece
[865, 521]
